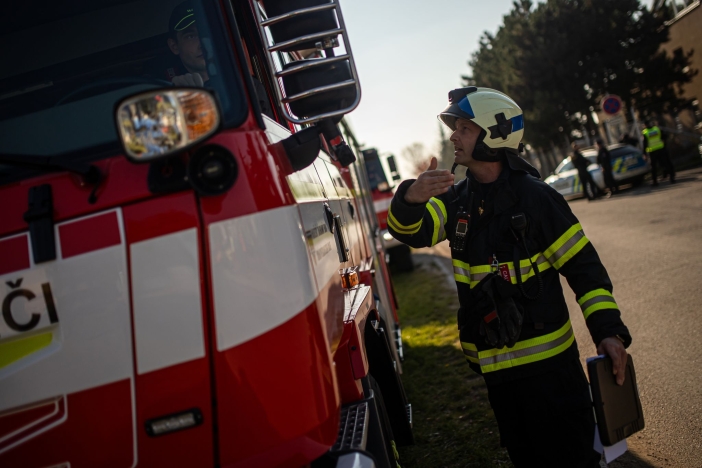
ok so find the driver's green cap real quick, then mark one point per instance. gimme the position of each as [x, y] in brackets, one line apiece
[182, 17]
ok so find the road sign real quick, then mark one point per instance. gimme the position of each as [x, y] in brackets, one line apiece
[611, 104]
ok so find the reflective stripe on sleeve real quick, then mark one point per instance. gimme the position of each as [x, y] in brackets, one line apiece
[438, 215]
[401, 228]
[566, 246]
[597, 300]
[461, 272]
[523, 352]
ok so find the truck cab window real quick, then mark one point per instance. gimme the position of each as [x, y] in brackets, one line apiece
[73, 64]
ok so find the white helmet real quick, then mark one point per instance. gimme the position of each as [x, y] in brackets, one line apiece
[496, 113]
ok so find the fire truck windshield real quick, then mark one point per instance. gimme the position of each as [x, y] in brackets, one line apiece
[65, 65]
[376, 175]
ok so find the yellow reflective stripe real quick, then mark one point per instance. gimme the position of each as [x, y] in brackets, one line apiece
[435, 219]
[599, 299]
[461, 272]
[528, 343]
[480, 269]
[436, 203]
[461, 278]
[523, 352]
[541, 263]
[569, 244]
[442, 206]
[562, 240]
[477, 273]
[471, 352]
[401, 228]
[16, 349]
[529, 358]
[571, 252]
[439, 218]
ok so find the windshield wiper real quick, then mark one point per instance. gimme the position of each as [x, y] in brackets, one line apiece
[91, 173]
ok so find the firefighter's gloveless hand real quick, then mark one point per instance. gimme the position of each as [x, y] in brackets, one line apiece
[430, 183]
[614, 348]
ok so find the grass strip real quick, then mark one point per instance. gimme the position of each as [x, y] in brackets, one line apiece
[454, 425]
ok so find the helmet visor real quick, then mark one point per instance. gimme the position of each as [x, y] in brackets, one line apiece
[460, 110]
[459, 107]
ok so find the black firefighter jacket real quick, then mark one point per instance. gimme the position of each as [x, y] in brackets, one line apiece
[556, 243]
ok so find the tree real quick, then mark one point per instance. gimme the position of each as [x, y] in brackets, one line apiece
[557, 60]
[416, 155]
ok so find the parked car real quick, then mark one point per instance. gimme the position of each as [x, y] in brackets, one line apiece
[629, 166]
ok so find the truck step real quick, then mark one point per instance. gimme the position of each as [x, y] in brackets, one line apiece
[353, 429]
[409, 413]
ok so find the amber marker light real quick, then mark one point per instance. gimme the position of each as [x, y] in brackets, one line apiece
[349, 277]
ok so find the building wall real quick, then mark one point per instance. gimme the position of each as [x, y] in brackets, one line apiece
[686, 32]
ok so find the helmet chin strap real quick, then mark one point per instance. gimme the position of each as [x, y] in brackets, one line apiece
[483, 152]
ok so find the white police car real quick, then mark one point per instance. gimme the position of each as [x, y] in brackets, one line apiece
[629, 166]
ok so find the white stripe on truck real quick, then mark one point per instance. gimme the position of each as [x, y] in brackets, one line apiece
[167, 301]
[261, 273]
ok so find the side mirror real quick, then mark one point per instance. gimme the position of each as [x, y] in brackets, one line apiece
[161, 123]
[302, 147]
[318, 88]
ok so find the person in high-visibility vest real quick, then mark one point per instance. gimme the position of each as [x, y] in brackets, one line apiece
[654, 144]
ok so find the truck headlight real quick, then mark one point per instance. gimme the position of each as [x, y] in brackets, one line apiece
[160, 123]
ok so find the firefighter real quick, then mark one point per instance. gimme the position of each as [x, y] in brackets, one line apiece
[581, 163]
[184, 41]
[511, 236]
[654, 143]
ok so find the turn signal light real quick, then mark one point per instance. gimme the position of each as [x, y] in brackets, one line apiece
[161, 123]
[349, 277]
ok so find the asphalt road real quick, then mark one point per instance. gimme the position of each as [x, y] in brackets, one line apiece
[650, 241]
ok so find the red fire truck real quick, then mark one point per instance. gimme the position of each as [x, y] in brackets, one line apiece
[399, 255]
[190, 274]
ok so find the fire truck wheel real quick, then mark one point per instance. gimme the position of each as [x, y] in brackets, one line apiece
[384, 424]
[401, 258]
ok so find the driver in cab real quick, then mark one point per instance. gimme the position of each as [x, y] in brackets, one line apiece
[184, 41]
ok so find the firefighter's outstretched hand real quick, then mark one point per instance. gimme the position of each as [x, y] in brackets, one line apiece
[430, 183]
[614, 348]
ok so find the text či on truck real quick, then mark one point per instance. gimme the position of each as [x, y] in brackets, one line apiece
[189, 270]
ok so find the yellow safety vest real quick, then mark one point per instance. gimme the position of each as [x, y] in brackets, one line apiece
[654, 139]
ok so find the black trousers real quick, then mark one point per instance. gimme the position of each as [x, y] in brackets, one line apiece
[609, 179]
[661, 157]
[590, 188]
[547, 421]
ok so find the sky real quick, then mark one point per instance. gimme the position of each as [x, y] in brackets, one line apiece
[409, 54]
